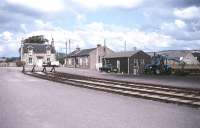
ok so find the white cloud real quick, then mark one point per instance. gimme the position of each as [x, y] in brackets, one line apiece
[41, 5]
[1, 48]
[41, 25]
[173, 26]
[180, 24]
[91, 34]
[108, 3]
[23, 27]
[7, 36]
[81, 18]
[188, 13]
[181, 30]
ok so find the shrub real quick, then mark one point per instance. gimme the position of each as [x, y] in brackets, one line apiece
[20, 63]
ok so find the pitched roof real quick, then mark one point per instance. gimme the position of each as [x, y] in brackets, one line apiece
[38, 48]
[84, 52]
[121, 54]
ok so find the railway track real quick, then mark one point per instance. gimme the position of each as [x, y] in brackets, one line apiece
[168, 94]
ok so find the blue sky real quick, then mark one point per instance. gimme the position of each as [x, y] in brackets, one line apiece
[149, 25]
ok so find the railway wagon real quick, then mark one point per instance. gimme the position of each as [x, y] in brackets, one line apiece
[165, 65]
[185, 69]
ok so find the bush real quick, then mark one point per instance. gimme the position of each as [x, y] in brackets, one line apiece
[20, 63]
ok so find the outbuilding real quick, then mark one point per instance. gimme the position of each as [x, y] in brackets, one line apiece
[131, 62]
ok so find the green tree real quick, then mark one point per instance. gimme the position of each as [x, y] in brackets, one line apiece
[39, 39]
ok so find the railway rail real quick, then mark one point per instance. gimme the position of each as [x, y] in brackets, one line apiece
[181, 96]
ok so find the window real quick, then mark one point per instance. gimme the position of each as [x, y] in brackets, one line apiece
[30, 52]
[142, 61]
[48, 52]
[135, 62]
[30, 60]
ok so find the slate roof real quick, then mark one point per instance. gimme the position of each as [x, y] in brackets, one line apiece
[38, 48]
[121, 54]
[84, 52]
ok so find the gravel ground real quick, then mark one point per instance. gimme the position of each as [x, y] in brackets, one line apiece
[177, 81]
[28, 102]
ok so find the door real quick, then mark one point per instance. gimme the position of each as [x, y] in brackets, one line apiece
[39, 61]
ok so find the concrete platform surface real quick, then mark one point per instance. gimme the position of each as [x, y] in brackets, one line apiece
[169, 80]
[28, 102]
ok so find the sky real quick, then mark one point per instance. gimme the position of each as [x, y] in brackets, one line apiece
[149, 25]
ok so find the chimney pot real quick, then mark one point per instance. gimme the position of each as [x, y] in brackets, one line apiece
[78, 49]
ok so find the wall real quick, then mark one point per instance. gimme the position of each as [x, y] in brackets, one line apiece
[83, 62]
[35, 59]
[96, 57]
[138, 61]
[190, 59]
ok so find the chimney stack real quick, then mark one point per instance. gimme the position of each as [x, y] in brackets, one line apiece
[98, 45]
[52, 42]
[78, 49]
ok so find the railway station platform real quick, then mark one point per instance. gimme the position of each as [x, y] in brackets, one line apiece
[165, 80]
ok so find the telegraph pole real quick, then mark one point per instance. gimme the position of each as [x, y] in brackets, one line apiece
[69, 46]
[125, 46]
[21, 50]
[104, 48]
[66, 48]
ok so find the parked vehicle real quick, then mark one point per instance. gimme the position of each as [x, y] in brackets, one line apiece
[55, 63]
[108, 68]
[52, 63]
[159, 66]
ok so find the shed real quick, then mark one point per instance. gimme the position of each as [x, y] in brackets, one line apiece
[131, 62]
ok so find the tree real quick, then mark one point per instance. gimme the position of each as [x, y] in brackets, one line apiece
[39, 39]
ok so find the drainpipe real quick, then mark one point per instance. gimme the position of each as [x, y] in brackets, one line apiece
[128, 65]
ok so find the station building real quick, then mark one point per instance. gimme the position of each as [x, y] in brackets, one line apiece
[37, 53]
[87, 58]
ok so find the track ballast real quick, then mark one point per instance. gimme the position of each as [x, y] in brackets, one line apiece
[168, 94]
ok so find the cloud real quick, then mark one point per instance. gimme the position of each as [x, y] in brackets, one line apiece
[1, 49]
[188, 13]
[177, 25]
[42, 5]
[7, 36]
[9, 44]
[93, 33]
[81, 18]
[180, 24]
[180, 30]
[108, 3]
[145, 24]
